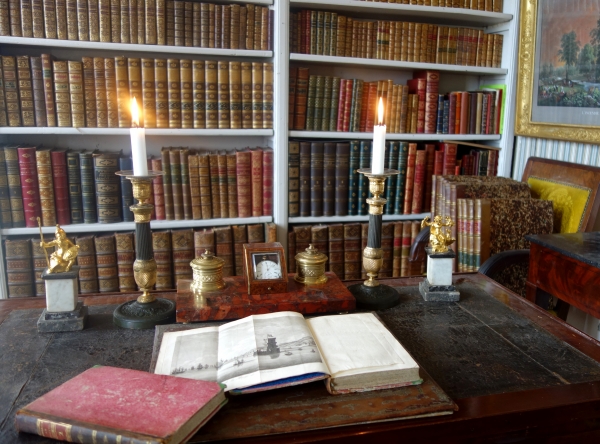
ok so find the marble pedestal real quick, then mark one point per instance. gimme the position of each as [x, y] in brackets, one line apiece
[437, 286]
[63, 312]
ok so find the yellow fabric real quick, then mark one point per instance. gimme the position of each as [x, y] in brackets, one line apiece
[569, 202]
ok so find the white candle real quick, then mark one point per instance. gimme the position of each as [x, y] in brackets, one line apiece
[378, 143]
[138, 143]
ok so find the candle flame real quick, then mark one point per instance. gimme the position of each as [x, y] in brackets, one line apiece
[135, 119]
[380, 111]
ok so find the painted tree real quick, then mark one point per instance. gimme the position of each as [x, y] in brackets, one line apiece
[586, 61]
[569, 50]
[595, 35]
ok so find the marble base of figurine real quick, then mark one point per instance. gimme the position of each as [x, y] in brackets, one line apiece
[61, 290]
[63, 321]
[438, 284]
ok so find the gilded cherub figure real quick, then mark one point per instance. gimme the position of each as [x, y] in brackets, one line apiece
[64, 254]
[440, 236]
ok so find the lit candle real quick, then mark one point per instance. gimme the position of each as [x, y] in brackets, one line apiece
[138, 142]
[378, 143]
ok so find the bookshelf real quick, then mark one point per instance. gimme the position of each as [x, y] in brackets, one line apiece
[115, 139]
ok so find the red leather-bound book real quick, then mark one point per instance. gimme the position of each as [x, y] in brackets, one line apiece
[61, 186]
[244, 182]
[267, 183]
[449, 150]
[364, 108]
[410, 177]
[432, 87]
[419, 184]
[429, 167]
[419, 87]
[464, 112]
[29, 186]
[341, 106]
[438, 163]
[457, 112]
[159, 193]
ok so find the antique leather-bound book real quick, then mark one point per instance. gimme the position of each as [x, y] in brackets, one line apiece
[341, 184]
[223, 94]
[205, 184]
[199, 93]
[257, 95]
[305, 179]
[234, 39]
[204, 239]
[123, 99]
[267, 182]
[134, 77]
[49, 18]
[151, 22]
[257, 181]
[244, 182]
[326, 106]
[89, 92]
[158, 190]
[401, 181]
[170, 22]
[235, 95]
[232, 199]
[15, 191]
[410, 177]
[94, 20]
[3, 115]
[88, 271]
[179, 22]
[76, 97]
[218, 25]
[37, 83]
[196, 25]
[168, 192]
[246, 95]
[107, 183]
[419, 182]
[162, 93]
[19, 270]
[125, 22]
[329, 166]
[187, 97]
[204, 25]
[391, 161]
[270, 232]
[405, 252]
[211, 25]
[75, 204]
[112, 107]
[115, 21]
[83, 30]
[174, 93]
[352, 251]
[387, 245]
[303, 237]
[397, 250]
[106, 263]
[353, 178]
[183, 252]
[224, 248]
[291, 247]
[5, 213]
[88, 187]
[25, 88]
[429, 166]
[29, 185]
[61, 19]
[161, 245]
[125, 247]
[294, 178]
[240, 237]
[300, 102]
[260, 13]
[14, 12]
[292, 95]
[225, 26]
[256, 233]
[58, 158]
[125, 163]
[100, 93]
[184, 154]
[141, 22]
[176, 190]
[316, 178]
[268, 95]
[223, 189]
[38, 257]
[311, 102]
[104, 29]
[148, 94]
[250, 10]
[212, 95]
[319, 238]
[195, 199]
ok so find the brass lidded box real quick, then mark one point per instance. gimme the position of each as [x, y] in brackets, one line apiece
[208, 273]
[311, 266]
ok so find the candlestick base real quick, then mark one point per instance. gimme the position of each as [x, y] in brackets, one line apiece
[374, 298]
[137, 315]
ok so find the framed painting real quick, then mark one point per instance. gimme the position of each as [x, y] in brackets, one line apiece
[558, 86]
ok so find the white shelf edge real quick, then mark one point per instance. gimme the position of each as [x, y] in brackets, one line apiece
[388, 136]
[124, 226]
[448, 14]
[125, 131]
[395, 64]
[132, 47]
[344, 219]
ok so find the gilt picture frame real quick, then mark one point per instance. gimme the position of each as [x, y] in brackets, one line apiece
[558, 82]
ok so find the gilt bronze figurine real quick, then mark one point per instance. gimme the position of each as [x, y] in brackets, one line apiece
[64, 254]
[440, 236]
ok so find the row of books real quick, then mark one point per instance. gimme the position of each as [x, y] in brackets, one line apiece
[151, 22]
[332, 34]
[344, 245]
[491, 214]
[74, 186]
[97, 92]
[106, 262]
[327, 103]
[481, 5]
[324, 181]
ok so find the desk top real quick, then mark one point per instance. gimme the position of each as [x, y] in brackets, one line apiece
[584, 247]
[509, 366]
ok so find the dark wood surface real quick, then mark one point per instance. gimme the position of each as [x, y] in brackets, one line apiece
[571, 280]
[516, 373]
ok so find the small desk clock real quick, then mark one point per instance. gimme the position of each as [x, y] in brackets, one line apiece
[265, 270]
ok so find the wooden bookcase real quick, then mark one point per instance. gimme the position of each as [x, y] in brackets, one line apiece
[114, 139]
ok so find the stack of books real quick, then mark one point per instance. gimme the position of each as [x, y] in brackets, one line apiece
[481, 5]
[174, 93]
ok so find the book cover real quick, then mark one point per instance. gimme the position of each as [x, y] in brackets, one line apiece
[174, 92]
[106, 262]
[182, 242]
[294, 179]
[125, 247]
[112, 107]
[19, 270]
[161, 246]
[211, 94]
[60, 181]
[107, 187]
[148, 93]
[76, 94]
[419, 182]
[224, 249]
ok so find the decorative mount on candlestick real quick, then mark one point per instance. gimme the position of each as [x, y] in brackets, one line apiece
[372, 295]
[147, 311]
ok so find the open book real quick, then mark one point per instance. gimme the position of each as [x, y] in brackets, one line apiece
[353, 353]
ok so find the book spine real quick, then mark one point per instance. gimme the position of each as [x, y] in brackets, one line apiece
[122, 83]
[106, 262]
[134, 79]
[25, 88]
[176, 185]
[257, 95]
[29, 185]
[224, 249]
[410, 177]
[235, 95]
[161, 245]
[107, 187]
[89, 92]
[294, 179]
[268, 92]
[61, 20]
[341, 169]
[61, 186]
[305, 179]
[316, 178]
[328, 183]
[100, 93]
[211, 94]
[174, 92]
[352, 251]
[419, 182]
[214, 185]
[250, 10]
[223, 115]
[161, 25]
[205, 192]
[353, 178]
[196, 25]
[161, 93]
[3, 114]
[104, 25]
[185, 183]
[401, 179]
[158, 190]
[88, 188]
[148, 93]
[125, 257]
[170, 23]
[74, 187]
[240, 237]
[39, 265]
[257, 181]
[125, 163]
[5, 18]
[183, 252]
[39, 102]
[363, 182]
[267, 183]
[186, 93]
[94, 20]
[392, 184]
[204, 240]
[334, 104]
[5, 212]
[76, 95]
[232, 192]
[14, 186]
[112, 108]
[19, 272]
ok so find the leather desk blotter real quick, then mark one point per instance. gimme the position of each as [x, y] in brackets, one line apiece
[234, 302]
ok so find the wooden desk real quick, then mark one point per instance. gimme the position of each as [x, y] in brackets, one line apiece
[566, 266]
[510, 385]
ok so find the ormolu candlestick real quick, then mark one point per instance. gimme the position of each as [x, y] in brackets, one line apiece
[371, 294]
[147, 311]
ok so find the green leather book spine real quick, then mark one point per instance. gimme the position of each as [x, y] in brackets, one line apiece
[88, 188]
[74, 181]
[311, 103]
[108, 190]
[326, 104]
[401, 181]
[334, 103]
[353, 177]
[390, 186]
[5, 214]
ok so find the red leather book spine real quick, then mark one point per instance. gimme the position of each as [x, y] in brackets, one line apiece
[61, 186]
[348, 104]
[244, 183]
[364, 107]
[410, 177]
[159, 193]
[267, 183]
[306, 32]
[419, 185]
[341, 105]
[29, 186]
[464, 113]
[457, 113]
[432, 87]
[419, 87]
[449, 158]
[438, 163]
[257, 178]
[452, 114]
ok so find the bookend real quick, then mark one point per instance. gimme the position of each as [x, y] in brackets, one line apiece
[437, 286]
[371, 295]
[147, 311]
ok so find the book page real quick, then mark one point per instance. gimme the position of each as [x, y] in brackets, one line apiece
[358, 343]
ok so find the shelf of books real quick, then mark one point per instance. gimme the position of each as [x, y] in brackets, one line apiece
[345, 219]
[388, 136]
[125, 131]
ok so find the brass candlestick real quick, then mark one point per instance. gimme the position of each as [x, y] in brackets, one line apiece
[371, 294]
[147, 311]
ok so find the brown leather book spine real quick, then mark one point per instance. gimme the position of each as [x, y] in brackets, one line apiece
[76, 94]
[198, 94]
[188, 20]
[80, 22]
[168, 192]
[194, 187]
[170, 23]
[141, 22]
[258, 14]
[214, 185]
[223, 94]
[204, 184]
[240, 237]
[183, 253]
[25, 87]
[115, 21]
[122, 98]
[46, 187]
[270, 232]
[106, 263]
[3, 115]
[5, 18]
[100, 93]
[235, 95]
[134, 78]
[232, 200]
[179, 23]
[302, 237]
[161, 246]
[225, 26]
[211, 91]
[174, 93]
[61, 20]
[86, 259]
[176, 191]
[125, 22]
[19, 270]
[257, 182]
[319, 238]
[294, 179]
[224, 249]
[185, 183]
[26, 19]
[211, 25]
[125, 257]
[218, 25]
[244, 182]
[204, 240]
[234, 36]
[222, 184]
[304, 179]
[104, 30]
[49, 18]
[329, 163]
[39, 265]
[14, 12]
[89, 92]
[410, 177]
[162, 93]
[94, 20]
[268, 94]
[291, 248]
[158, 190]
[161, 23]
[61, 93]
[336, 249]
[37, 18]
[247, 95]
[148, 93]
[301, 99]
[204, 24]
[257, 95]
[256, 233]
[250, 9]
[196, 25]
[39, 102]
[48, 84]
[187, 94]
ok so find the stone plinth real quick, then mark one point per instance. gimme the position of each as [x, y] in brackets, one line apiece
[438, 284]
[61, 290]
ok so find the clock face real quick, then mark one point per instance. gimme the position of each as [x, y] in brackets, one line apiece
[266, 266]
